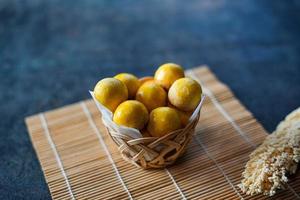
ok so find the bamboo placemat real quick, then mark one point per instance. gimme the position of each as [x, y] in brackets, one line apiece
[80, 161]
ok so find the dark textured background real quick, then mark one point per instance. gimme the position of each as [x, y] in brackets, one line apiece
[52, 52]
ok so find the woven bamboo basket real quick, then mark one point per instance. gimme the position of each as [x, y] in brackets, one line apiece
[150, 152]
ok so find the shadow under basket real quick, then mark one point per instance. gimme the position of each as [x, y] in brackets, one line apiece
[155, 152]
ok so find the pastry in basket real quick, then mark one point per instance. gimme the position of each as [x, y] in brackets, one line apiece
[151, 119]
[277, 157]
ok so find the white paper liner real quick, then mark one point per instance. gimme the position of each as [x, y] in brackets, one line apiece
[107, 118]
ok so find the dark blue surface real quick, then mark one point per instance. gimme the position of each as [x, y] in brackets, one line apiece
[52, 52]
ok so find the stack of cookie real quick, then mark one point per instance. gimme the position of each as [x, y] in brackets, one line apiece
[274, 159]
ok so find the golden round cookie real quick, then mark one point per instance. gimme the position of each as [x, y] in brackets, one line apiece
[131, 113]
[185, 94]
[167, 74]
[183, 115]
[151, 95]
[110, 92]
[146, 79]
[163, 120]
[132, 83]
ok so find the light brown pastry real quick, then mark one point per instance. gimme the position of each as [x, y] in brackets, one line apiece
[274, 159]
